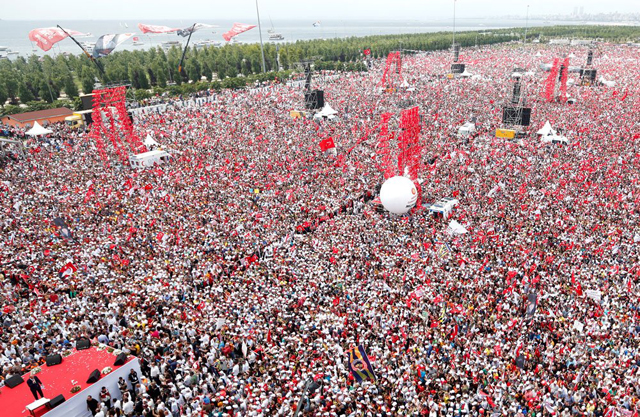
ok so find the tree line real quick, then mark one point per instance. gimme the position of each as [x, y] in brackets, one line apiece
[39, 82]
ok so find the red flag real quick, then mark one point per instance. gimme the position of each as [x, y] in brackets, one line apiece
[67, 270]
[45, 38]
[237, 29]
[156, 28]
[327, 144]
[367, 51]
[336, 301]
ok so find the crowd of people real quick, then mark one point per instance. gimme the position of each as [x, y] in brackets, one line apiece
[200, 267]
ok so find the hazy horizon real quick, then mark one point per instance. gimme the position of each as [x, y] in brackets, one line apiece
[149, 10]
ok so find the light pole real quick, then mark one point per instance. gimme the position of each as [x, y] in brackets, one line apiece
[264, 68]
[526, 25]
[454, 23]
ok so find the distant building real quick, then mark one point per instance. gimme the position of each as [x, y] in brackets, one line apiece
[559, 41]
[581, 41]
[43, 117]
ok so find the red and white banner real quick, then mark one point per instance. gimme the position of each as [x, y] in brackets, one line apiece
[156, 28]
[237, 29]
[67, 270]
[327, 144]
[45, 38]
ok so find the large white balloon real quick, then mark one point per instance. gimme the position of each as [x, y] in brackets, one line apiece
[398, 194]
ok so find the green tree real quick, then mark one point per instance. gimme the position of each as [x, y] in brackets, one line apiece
[70, 87]
[3, 95]
[25, 94]
[87, 79]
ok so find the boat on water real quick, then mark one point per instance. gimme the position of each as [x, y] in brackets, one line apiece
[207, 43]
[171, 44]
[88, 46]
[136, 41]
[4, 48]
[276, 37]
[12, 53]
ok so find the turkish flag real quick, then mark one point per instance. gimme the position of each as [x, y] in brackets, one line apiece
[367, 51]
[327, 144]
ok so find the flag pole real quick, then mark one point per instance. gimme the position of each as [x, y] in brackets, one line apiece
[91, 58]
[184, 52]
[264, 68]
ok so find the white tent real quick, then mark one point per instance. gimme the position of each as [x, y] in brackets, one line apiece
[607, 83]
[546, 130]
[38, 130]
[149, 141]
[456, 228]
[466, 74]
[327, 111]
[555, 138]
[467, 129]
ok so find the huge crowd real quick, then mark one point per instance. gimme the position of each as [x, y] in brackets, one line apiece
[251, 264]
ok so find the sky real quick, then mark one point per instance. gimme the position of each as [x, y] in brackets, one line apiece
[210, 10]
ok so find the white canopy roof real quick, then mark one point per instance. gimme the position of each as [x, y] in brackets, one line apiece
[327, 111]
[466, 74]
[38, 130]
[546, 130]
[554, 138]
[149, 141]
[456, 228]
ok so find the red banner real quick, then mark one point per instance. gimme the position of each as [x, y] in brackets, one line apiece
[156, 28]
[45, 38]
[327, 144]
[237, 29]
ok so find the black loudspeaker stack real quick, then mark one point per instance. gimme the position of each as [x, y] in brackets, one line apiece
[94, 377]
[314, 99]
[516, 115]
[457, 68]
[53, 360]
[121, 359]
[82, 344]
[590, 75]
[87, 101]
[56, 401]
[14, 381]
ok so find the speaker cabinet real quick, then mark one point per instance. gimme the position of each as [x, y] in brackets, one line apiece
[121, 359]
[314, 99]
[82, 344]
[94, 377]
[56, 401]
[53, 360]
[14, 381]
[457, 68]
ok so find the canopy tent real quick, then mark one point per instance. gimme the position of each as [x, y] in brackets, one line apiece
[607, 82]
[327, 111]
[149, 141]
[546, 130]
[467, 129]
[466, 74]
[456, 228]
[555, 138]
[38, 130]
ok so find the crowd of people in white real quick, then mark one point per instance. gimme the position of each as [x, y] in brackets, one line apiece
[253, 261]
